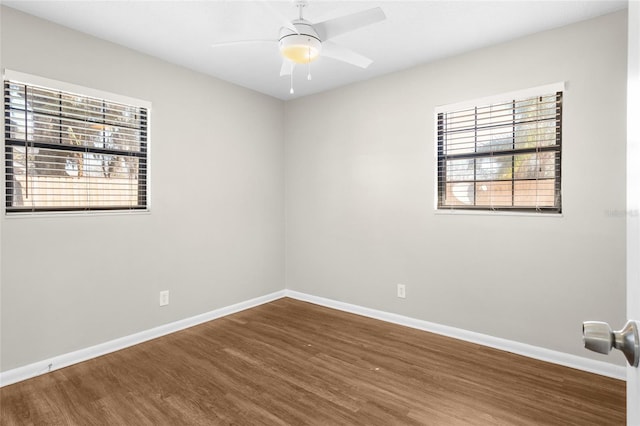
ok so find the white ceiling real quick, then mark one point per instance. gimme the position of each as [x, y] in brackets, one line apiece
[415, 32]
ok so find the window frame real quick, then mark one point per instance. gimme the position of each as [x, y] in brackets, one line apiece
[515, 96]
[85, 92]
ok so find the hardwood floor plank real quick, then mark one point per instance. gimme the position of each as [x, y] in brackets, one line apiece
[294, 363]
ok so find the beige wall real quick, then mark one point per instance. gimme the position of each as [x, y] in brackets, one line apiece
[350, 175]
[214, 236]
[360, 194]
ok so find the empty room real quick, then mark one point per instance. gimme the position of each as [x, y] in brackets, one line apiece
[320, 213]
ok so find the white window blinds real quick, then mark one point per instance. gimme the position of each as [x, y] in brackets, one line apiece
[501, 156]
[70, 152]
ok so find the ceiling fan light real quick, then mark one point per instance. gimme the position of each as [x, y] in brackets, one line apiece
[300, 49]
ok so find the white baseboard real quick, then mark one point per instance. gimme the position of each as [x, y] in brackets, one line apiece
[561, 358]
[37, 368]
[28, 371]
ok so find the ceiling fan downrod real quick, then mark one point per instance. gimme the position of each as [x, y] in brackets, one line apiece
[301, 4]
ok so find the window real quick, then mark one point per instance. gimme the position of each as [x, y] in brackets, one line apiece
[66, 151]
[501, 155]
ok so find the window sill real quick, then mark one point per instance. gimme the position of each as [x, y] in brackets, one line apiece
[452, 212]
[68, 214]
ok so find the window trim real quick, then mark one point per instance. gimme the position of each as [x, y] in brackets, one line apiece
[35, 80]
[20, 77]
[502, 97]
[487, 100]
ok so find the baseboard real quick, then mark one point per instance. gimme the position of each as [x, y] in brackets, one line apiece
[32, 370]
[548, 355]
[28, 371]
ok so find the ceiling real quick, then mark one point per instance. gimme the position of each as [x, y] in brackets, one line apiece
[415, 32]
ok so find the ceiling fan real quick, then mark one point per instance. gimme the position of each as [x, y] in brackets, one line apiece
[302, 42]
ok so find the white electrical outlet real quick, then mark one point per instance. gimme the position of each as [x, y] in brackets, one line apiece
[164, 298]
[402, 291]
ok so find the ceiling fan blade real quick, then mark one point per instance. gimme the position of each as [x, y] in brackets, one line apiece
[344, 24]
[287, 68]
[335, 51]
[240, 42]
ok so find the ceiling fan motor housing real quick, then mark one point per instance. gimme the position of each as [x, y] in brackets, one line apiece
[300, 48]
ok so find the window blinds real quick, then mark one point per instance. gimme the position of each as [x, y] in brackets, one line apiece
[66, 152]
[502, 156]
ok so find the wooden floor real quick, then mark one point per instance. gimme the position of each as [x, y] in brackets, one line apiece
[294, 363]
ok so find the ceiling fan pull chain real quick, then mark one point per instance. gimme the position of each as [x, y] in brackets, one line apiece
[291, 77]
[309, 63]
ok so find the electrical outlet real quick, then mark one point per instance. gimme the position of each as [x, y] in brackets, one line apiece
[164, 298]
[402, 291]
